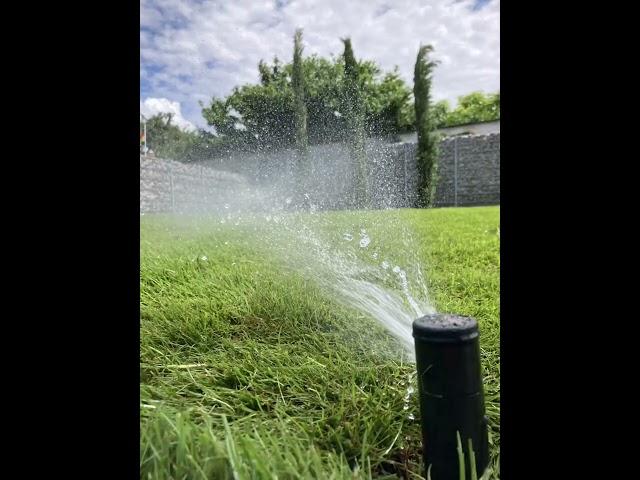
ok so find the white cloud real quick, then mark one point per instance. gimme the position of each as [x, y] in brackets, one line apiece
[152, 106]
[193, 50]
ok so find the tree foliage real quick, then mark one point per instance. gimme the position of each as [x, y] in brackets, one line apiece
[168, 140]
[300, 108]
[427, 152]
[474, 107]
[353, 106]
[267, 110]
[317, 100]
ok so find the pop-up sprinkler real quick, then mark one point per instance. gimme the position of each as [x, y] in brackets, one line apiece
[451, 394]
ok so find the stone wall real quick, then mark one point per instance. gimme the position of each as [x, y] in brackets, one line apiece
[468, 174]
[469, 171]
[332, 173]
[168, 186]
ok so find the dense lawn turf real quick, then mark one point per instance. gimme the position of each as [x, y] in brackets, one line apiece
[248, 368]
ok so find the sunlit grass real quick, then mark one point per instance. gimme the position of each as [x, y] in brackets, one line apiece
[248, 368]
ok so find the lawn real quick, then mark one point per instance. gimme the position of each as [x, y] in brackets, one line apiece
[249, 368]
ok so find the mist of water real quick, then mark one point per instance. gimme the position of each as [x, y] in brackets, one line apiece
[341, 254]
[352, 267]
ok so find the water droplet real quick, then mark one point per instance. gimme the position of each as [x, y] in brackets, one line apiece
[348, 237]
[411, 416]
[364, 239]
[204, 258]
[406, 407]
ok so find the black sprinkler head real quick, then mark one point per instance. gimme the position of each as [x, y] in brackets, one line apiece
[451, 394]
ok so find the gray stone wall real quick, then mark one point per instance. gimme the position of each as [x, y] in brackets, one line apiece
[168, 186]
[469, 171]
[468, 174]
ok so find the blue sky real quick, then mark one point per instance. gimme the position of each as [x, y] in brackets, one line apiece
[192, 50]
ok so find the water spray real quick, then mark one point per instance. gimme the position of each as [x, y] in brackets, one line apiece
[451, 395]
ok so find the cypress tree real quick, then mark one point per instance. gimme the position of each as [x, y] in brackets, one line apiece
[297, 82]
[355, 124]
[427, 152]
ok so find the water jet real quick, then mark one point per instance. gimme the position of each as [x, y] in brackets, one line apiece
[451, 394]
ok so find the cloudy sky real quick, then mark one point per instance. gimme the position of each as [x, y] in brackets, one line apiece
[191, 50]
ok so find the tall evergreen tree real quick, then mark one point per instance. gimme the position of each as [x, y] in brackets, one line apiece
[425, 127]
[355, 120]
[300, 110]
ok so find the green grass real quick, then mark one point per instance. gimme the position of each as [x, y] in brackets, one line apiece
[249, 369]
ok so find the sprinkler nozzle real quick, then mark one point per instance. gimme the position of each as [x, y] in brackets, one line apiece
[451, 394]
